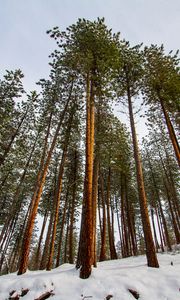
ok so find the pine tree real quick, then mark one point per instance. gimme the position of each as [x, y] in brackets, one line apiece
[130, 75]
[162, 86]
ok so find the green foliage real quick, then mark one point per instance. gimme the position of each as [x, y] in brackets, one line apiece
[130, 69]
[162, 77]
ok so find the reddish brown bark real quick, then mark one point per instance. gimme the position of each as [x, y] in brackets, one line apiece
[86, 241]
[16, 203]
[171, 131]
[71, 226]
[150, 249]
[172, 186]
[159, 202]
[66, 241]
[130, 221]
[120, 234]
[167, 238]
[110, 232]
[37, 259]
[123, 217]
[62, 230]
[154, 230]
[18, 243]
[30, 225]
[160, 231]
[94, 205]
[57, 201]
[47, 243]
[103, 233]
[174, 223]
[58, 190]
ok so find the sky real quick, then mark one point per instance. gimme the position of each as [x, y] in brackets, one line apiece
[24, 43]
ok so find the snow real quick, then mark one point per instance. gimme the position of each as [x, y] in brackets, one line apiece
[109, 278]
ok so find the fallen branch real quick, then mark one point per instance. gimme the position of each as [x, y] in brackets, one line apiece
[45, 295]
[12, 292]
[134, 293]
[13, 295]
[109, 297]
[24, 292]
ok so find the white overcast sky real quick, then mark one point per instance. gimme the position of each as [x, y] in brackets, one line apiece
[23, 24]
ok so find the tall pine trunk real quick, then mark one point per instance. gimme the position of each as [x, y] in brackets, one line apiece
[66, 241]
[37, 258]
[94, 205]
[44, 257]
[71, 226]
[150, 249]
[30, 226]
[174, 223]
[86, 241]
[154, 229]
[57, 201]
[160, 231]
[171, 132]
[59, 188]
[104, 222]
[15, 201]
[159, 202]
[62, 229]
[110, 232]
[130, 220]
[123, 217]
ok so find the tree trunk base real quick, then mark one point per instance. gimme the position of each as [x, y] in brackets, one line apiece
[85, 272]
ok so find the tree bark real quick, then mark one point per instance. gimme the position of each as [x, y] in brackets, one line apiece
[174, 223]
[94, 205]
[15, 205]
[154, 230]
[130, 220]
[160, 231]
[71, 227]
[57, 201]
[103, 233]
[29, 230]
[59, 188]
[171, 131]
[123, 217]
[87, 228]
[159, 202]
[40, 240]
[110, 232]
[66, 241]
[62, 229]
[47, 243]
[150, 249]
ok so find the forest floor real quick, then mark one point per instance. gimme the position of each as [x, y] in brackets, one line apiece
[123, 279]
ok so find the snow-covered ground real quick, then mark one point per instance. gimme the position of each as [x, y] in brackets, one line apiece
[110, 278]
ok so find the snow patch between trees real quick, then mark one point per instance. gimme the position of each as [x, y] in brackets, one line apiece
[113, 278]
